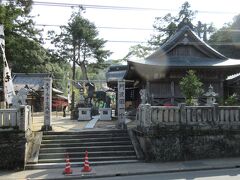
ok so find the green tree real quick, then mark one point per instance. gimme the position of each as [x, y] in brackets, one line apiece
[226, 40]
[191, 87]
[23, 48]
[166, 26]
[79, 43]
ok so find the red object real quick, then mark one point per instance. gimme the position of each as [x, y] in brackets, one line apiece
[86, 166]
[168, 105]
[67, 169]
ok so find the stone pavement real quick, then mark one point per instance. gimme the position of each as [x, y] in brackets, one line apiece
[60, 123]
[125, 169]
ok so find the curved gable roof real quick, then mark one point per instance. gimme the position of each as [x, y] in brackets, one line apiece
[186, 37]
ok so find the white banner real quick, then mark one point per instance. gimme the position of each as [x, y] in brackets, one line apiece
[7, 79]
[68, 89]
[2, 41]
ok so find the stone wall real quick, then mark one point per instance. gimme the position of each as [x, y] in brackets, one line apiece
[164, 144]
[12, 149]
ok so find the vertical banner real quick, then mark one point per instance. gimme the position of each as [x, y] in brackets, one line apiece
[47, 104]
[7, 77]
[121, 104]
[68, 91]
[2, 38]
[7, 80]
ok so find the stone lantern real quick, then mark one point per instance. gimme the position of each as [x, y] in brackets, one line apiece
[211, 96]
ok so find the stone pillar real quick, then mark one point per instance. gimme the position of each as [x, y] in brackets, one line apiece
[183, 118]
[215, 113]
[25, 121]
[147, 115]
[121, 105]
[47, 105]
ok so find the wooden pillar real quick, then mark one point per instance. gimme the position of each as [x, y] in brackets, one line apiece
[148, 91]
[172, 92]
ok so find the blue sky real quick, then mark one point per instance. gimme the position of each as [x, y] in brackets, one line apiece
[216, 11]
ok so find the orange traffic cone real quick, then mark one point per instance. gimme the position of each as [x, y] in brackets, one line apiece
[86, 166]
[67, 169]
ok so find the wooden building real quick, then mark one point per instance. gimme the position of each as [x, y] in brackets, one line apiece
[35, 82]
[161, 72]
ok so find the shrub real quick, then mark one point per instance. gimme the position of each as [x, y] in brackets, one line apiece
[191, 87]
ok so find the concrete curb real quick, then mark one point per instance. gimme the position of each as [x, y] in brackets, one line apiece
[94, 175]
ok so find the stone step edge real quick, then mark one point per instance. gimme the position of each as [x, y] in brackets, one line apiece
[89, 153]
[75, 164]
[106, 158]
[87, 132]
[92, 138]
[100, 134]
[78, 143]
[87, 147]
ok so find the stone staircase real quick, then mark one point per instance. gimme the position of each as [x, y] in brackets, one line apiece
[104, 147]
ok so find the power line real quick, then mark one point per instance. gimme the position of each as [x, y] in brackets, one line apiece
[128, 28]
[71, 5]
[102, 27]
[193, 43]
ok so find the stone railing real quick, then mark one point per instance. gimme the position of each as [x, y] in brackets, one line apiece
[149, 116]
[16, 118]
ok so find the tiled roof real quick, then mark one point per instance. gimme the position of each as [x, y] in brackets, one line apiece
[34, 81]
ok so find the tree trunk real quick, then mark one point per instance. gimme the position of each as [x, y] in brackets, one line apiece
[82, 65]
[73, 81]
[84, 71]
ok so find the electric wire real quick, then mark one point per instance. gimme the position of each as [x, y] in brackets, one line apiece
[105, 7]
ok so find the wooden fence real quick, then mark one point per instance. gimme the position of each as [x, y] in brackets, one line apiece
[16, 118]
[148, 115]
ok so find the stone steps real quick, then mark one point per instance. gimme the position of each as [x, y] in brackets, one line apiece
[80, 136]
[104, 147]
[84, 148]
[78, 144]
[82, 140]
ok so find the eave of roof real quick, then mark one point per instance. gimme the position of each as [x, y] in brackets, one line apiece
[170, 62]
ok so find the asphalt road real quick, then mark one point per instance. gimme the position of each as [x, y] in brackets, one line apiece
[223, 174]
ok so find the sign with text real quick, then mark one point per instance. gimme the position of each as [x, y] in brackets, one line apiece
[121, 102]
[47, 101]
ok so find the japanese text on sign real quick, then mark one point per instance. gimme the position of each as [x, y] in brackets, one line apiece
[121, 102]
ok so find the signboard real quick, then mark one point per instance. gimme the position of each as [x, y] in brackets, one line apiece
[121, 103]
[47, 103]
